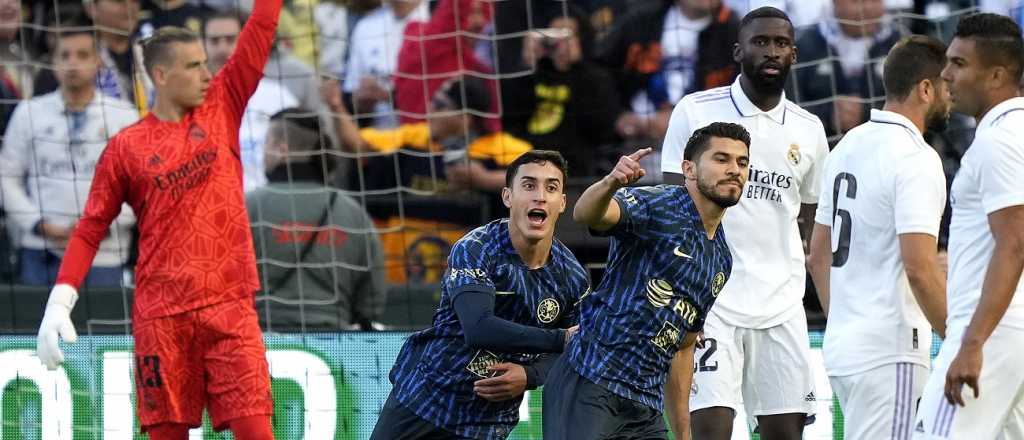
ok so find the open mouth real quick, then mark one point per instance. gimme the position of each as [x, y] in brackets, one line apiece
[537, 217]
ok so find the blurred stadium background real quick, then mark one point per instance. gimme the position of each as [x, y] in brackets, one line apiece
[353, 206]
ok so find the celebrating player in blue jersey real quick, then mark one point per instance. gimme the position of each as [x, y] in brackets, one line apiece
[507, 297]
[667, 263]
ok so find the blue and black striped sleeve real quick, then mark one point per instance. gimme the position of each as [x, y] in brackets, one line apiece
[634, 212]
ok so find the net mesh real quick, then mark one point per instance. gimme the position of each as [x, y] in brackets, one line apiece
[354, 198]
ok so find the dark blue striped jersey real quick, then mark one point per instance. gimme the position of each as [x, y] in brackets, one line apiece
[662, 278]
[434, 374]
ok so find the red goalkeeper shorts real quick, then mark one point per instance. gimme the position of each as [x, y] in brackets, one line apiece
[211, 357]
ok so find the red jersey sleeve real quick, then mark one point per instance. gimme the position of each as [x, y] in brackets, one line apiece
[243, 71]
[106, 195]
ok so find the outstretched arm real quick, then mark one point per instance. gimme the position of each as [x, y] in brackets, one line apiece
[595, 208]
[243, 71]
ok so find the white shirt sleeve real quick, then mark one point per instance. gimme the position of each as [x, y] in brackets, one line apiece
[355, 68]
[812, 185]
[14, 162]
[1003, 159]
[676, 136]
[919, 194]
[823, 213]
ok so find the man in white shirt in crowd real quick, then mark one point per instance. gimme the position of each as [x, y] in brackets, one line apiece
[985, 327]
[756, 349]
[220, 33]
[49, 154]
[875, 244]
[373, 55]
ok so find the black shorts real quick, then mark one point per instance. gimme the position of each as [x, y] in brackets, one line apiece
[578, 409]
[398, 423]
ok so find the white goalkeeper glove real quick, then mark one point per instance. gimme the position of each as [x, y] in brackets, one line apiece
[56, 325]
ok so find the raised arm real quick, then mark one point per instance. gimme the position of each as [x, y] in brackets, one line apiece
[243, 71]
[594, 207]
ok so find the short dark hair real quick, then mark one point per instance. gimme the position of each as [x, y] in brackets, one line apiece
[997, 39]
[765, 12]
[537, 156]
[300, 128]
[913, 59]
[700, 140]
[157, 49]
[477, 98]
[76, 25]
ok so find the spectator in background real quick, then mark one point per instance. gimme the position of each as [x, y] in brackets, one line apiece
[178, 13]
[663, 51]
[442, 48]
[296, 76]
[297, 30]
[373, 56]
[320, 259]
[448, 173]
[49, 153]
[839, 77]
[332, 17]
[803, 12]
[16, 71]
[220, 33]
[117, 22]
[569, 103]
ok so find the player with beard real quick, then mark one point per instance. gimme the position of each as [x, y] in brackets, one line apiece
[985, 327]
[633, 357]
[757, 350]
[882, 287]
[509, 293]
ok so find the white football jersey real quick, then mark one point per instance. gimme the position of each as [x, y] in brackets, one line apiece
[787, 152]
[882, 180]
[988, 181]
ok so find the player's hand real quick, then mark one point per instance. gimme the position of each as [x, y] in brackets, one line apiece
[510, 383]
[628, 170]
[462, 175]
[964, 370]
[56, 325]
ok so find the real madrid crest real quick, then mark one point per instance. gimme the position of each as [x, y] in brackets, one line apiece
[717, 283]
[547, 310]
[794, 154]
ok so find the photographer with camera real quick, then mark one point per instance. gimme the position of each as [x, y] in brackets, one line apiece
[568, 104]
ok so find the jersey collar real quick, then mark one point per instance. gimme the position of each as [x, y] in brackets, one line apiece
[887, 117]
[746, 108]
[997, 112]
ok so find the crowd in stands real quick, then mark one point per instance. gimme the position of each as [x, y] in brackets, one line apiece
[380, 132]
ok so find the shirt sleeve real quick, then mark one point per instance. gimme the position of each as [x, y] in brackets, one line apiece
[14, 162]
[634, 213]
[809, 192]
[243, 71]
[1003, 158]
[468, 267]
[108, 192]
[676, 136]
[823, 213]
[920, 194]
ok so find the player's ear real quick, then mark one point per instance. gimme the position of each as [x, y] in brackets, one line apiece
[690, 170]
[506, 196]
[561, 209]
[737, 54]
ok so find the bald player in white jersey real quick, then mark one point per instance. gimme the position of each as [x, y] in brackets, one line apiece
[756, 351]
[875, 245]
[984, 345]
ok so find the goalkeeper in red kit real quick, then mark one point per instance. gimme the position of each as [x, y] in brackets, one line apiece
[197, 339]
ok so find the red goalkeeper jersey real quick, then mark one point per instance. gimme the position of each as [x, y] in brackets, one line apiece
[184, 181]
